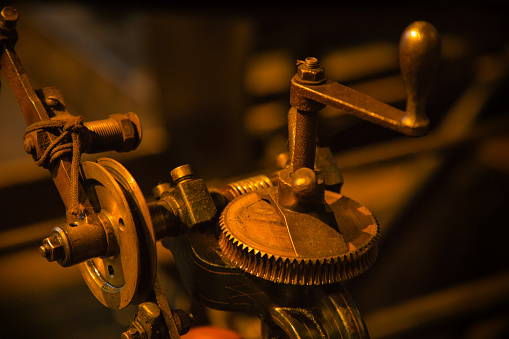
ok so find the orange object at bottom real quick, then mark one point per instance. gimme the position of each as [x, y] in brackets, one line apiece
[209, 332]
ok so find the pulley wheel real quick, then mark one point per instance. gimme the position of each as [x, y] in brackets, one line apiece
[128, 273]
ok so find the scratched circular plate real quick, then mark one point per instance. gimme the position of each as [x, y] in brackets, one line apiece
[283, 246]
[127, 275]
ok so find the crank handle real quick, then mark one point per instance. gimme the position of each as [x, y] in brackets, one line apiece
[419, 51]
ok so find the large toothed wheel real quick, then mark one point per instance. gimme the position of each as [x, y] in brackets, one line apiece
[296, 248]
[128, 274]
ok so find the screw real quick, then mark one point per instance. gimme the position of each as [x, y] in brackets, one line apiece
[149, 312]
[181, 173]
[52, 249]
[311, 62]
[8, 17]
[304, 181]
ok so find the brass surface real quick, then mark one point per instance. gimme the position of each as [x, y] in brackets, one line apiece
[289, 247]
[419, 55]
[281, 252]
[419, 52]
[127, 275]
[34, 111]
[120, 132]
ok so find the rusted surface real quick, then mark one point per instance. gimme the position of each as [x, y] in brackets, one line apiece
[304, 139]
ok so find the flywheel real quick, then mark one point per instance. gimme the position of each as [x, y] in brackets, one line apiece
[129, 273]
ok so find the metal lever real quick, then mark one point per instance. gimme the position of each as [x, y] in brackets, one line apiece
[311, 91]
[120, 132]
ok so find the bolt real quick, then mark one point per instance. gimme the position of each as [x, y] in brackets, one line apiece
[311, 62]
[185, 319]
[52, 249]
[181, 173]
[51, 101]
[304, 181]
[29, 145]
[310, 71]
[8, 17]
[120, 132]
[148, 311]
[131, 333]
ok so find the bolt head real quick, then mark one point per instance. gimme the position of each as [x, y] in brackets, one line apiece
[29, 145]
[52, 249]
[149, 312]
[51, 101]
[304, 181]
[131, 333]
[181, 173]
[186, 320]
[130, 126]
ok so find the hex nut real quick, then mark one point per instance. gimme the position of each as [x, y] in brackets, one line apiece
[130, 126]
[311, 75]
[52, 249]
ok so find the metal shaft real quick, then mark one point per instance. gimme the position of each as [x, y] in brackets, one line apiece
[304, 139]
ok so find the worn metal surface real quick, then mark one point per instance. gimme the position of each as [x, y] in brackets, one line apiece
[296, 317]
[333, 315]
[298, 233]
[34, 110]
[188, 200]
[290, 247]
[127, 274]
[419, 53]
[285, 309]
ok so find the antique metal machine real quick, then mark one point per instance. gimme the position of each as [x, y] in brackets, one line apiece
[278, 246]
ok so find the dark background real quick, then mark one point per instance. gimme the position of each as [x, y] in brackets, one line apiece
[210, 84]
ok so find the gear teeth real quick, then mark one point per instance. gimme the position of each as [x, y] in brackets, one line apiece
[294, 271]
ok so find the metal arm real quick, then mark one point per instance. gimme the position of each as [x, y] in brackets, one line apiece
[419, 51]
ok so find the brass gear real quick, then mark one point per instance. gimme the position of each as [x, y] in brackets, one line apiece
[304, 250]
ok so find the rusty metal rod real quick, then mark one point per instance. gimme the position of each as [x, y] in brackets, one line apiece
[304, 139]
[34, 111]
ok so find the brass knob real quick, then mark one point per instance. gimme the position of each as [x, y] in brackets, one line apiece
[419, 52]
